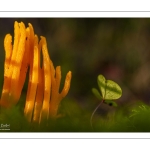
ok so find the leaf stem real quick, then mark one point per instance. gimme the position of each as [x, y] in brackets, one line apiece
[94, 113]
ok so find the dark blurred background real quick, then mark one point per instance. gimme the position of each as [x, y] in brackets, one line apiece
[118, 48]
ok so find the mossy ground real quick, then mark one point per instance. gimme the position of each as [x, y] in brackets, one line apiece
[74, 119]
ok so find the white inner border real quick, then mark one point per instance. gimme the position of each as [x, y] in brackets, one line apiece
[72, 14]
[75, 135]
[67, 8]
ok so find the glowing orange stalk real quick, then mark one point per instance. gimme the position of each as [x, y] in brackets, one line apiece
[29, 106]
[18, 62]
[47, 81]
[43, 97]
[40, 91]
[24, 65]
[13, 61]
[39, 98]
[56, 97]
[8, 53]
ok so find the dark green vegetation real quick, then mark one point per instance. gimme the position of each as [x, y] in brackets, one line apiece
[117, 48]
[75, 119]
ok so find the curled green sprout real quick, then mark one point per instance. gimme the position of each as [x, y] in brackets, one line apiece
[108, 92]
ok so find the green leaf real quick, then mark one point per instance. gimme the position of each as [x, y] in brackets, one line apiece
[96, 93]
[113, 90]
[109, 89]
[102, 84]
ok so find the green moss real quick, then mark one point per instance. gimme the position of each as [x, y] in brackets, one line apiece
[75, 119]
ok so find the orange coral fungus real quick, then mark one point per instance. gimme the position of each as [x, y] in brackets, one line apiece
[43, 97]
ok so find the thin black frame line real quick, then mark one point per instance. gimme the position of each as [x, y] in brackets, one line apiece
[76, 11]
